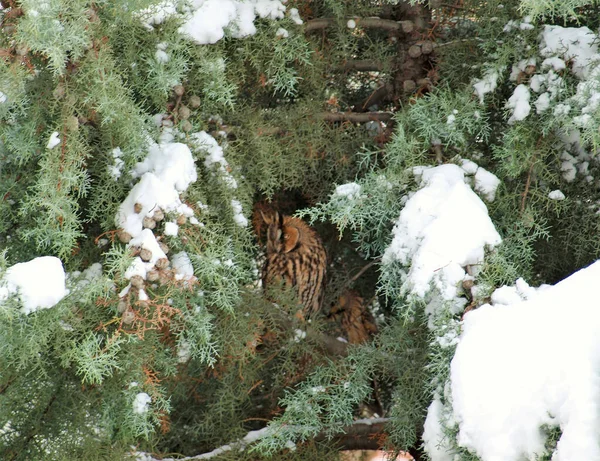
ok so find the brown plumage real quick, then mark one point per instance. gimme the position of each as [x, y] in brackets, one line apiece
[295, 255]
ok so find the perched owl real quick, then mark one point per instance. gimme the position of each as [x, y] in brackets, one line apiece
[295, 255]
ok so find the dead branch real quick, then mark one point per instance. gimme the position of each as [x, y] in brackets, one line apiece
[366, 65]
[362, 428]
[356, 117]
[376, 23]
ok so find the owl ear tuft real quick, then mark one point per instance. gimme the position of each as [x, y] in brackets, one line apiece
[267, 217]
[290, 238]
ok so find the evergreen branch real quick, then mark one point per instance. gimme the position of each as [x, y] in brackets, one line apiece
[331, 345]
[362, 429]
[376, 23]
[32, 435]
[356, 117]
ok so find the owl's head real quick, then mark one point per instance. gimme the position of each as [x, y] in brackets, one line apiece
[284, 233]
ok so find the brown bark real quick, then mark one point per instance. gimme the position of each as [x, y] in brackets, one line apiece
[377, 23]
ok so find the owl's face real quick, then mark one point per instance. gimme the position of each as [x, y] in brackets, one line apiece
[282, 235]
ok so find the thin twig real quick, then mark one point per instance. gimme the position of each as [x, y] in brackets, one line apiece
[529, 174]
[363, 270]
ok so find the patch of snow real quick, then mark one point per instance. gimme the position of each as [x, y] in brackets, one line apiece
[432, 236]
[168, 170]
[576, 45]
[238, 215]
[519, 102]
[171, 229]
[140, 403]
[350, 190]
[548, 373]
[182, 265]
[39, 283]
[434, 440]
[53, 141]
[556, 195]
[487, 84]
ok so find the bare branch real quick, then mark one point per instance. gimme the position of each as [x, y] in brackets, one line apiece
[356, 117]
[377, 23]
[359, 428]
[363, 66]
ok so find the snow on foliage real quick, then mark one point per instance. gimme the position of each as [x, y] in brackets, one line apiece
[215, 158]
[168, 170]
[530, 363]
[486, 85]
[519, 102]
[350, 190]
[576, 45]
[140, 403]
[39, 283]
[182, 266]
[207, 21]
[443, 228]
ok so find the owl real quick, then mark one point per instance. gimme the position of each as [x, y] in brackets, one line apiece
[295, 255]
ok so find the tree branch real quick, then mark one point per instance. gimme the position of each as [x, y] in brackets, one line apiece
[363, 65]
[356, 117]
[376, 23]
[360, 428]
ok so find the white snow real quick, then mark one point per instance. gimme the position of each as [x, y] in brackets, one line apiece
[295, 16]
[3, 98]
[211, 19]
[530, 363]
[157, 14]
[214, 156]
[351, 24]
[577, 45]
[281, 32]
[487, 84]
[299, 335]
[433, 436]
[140, 404]
[350, 190]
[542, 103]
[555, 62]
[238, 215]
[486, 183]
[182, 266]
[556, 195]
[168, 170]
[171, 229]
[53, 141]
[519, 102]
[39, 283]
[160, 54]
[433, 235]
[116, 169]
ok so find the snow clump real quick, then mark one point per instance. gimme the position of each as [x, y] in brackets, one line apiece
[432, 235]
[140, 403]
[504, 391]
[208, 21]
[39, 283]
